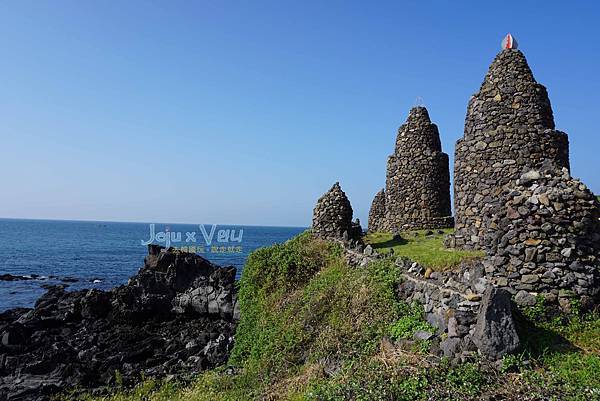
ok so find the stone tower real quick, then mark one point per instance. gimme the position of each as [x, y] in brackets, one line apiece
[377, 212]
[509, 126]
[332, 216]
[417, 193]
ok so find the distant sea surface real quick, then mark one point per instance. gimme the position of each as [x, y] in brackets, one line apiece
[105, 254]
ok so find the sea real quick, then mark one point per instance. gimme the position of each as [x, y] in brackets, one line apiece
[103, 255]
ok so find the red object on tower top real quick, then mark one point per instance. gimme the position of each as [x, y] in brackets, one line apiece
[509, 42]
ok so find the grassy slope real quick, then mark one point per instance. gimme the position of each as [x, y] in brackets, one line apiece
[314, 329]
[428, 250]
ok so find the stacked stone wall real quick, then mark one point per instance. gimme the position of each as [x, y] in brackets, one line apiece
[470, 314]
[451, 301]
[544, 238]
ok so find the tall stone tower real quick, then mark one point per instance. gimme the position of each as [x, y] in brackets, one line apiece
[417, 193]
[509, 126]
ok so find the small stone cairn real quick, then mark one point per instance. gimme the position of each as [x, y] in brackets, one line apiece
[332, 217]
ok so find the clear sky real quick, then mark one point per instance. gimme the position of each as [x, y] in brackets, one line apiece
[245, 112]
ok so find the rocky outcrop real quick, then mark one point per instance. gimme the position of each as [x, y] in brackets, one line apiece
[417, 190]
[377, 213]
[175, 317]
[509, 126]
[332, 217]
[544, 238]
[10, 277]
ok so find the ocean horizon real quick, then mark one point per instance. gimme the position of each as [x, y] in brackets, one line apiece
[104, 254]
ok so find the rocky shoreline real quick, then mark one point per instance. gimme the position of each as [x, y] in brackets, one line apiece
[29, 277]
[174, 318]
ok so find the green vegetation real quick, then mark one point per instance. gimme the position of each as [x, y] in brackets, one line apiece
[314, 328]
[409, 322]
[565, 350]
[428, 250]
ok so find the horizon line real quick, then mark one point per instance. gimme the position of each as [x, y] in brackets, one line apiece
[144, 222]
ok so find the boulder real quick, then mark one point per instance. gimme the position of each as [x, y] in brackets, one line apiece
[495, 331]
[450, 347]
[423, 335]
[524, 298]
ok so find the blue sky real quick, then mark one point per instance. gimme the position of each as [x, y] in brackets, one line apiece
[246, 112]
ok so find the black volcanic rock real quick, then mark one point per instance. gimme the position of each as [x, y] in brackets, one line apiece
[10, 277]
[495, 331]
[175, 317]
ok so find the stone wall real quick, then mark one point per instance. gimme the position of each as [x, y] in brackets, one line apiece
[332, 216]
[544, 238]
[417, 193]
[470, 314]
[509, 125]
[451, 302]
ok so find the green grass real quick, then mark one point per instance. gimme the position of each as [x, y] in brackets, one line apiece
[314, 328]
[564, 351]
[428, 250]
